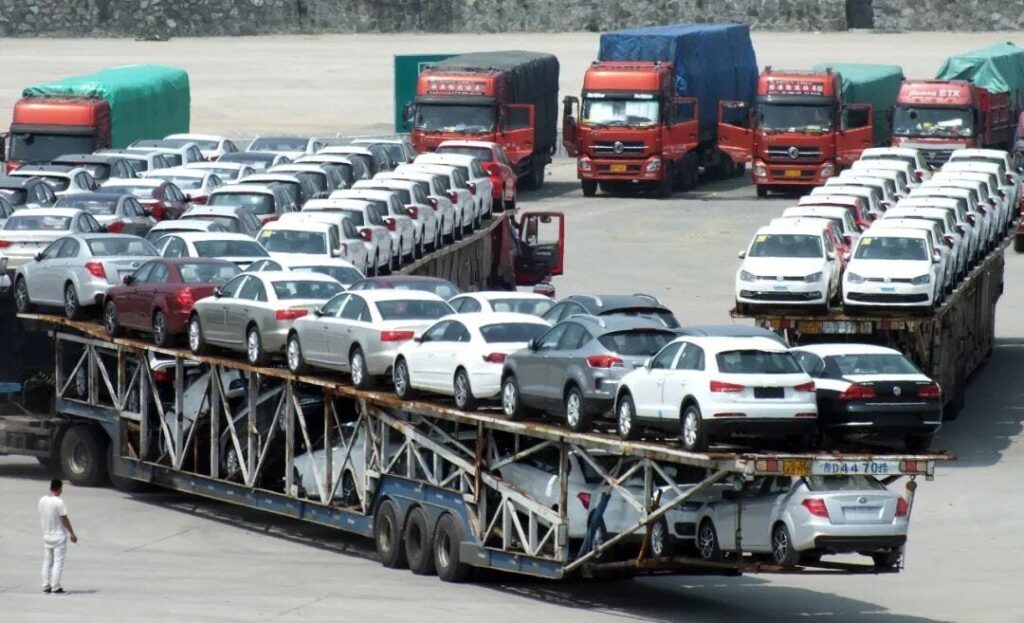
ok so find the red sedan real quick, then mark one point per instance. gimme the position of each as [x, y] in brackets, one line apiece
[493, 159]
[157, 298]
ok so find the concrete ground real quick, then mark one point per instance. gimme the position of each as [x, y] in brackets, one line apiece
[168, 557]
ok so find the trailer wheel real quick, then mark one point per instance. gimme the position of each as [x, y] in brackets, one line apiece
[82, 457]
[536, 175]
[589, 187]
[668, 178]
[447, 537]
[1018, 244]
[419, 543]
[660, 540]
[387, 536]
[762, 191]
[124, 485]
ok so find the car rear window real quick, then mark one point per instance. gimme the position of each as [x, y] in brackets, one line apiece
[38, 223]
[96, 207]
[299, 289]
[183, 182]
[287, 241]
[403, 194]
[120, 245]
[873, 364]
[346, 275]
[230, 248]
[227, 223]
[636, 342]
[413, 309]
[207, 273]
[441, 288]
[510, 332]
[56, 182]
[139, 192]
[756, 362]
[355, 216]
[281, 143]
[660, 314]
[522, 306]
[482, 154]
[16, 196]
[258, 203]
[843, 483]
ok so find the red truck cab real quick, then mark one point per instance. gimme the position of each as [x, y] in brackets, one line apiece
[45, 128]
[631, 128]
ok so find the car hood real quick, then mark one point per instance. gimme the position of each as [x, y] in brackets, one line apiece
[896, 269]
[783, 266]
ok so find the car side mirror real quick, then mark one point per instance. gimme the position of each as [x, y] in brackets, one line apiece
[531, 345]
[336, 252]
[936, 256]
[188, 198]
[418, 339]
[38, 257]
[103, 229]
[848, 239]
[961, 229]
[949, 240]
[128, 280]
[217, 293]
[647, 364]
[830, 255]
[741, 254]
[318, 312]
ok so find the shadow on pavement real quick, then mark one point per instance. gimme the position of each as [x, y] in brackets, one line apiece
[23, 470]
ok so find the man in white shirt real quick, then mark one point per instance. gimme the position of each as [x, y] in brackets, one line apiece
[53, 516]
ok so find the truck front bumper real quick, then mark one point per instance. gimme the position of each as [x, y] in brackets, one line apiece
[620, 169]
[791, 174]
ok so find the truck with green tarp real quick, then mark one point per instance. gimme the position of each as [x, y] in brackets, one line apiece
[877, 85]
[974, 101]
[107, 109]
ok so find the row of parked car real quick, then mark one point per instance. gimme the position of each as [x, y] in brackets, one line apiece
[886, 233]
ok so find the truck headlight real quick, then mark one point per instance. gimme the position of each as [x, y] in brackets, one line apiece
[584, 165]
[921, 280]
[854, 278]
[759, 170]
[828, 170]
[746, 276]
[653, 165]
[814, 278]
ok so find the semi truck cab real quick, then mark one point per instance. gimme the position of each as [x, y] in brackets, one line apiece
[44, 128]
[941, 116]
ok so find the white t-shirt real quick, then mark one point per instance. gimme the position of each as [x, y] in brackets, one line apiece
[51, 509]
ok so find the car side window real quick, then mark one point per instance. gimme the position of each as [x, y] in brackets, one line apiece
[334, 240]
[478, 171]
[456, 332]
[160, 274]
[373, 216]
[70, 248]
[664, 359]
[356, 310]
[333, 306]
[53, 251]
[827, 239]
[467, 305]
[812, 364]
[349, 229]
[691, 359]
[574, 337]
[436, 332]
[93, 223]
[174, 247]
[251, 290]
[142, 274]
[231, 288]
[549, 341]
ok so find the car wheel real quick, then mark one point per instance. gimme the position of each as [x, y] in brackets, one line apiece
[161, 336]
[886, 560]
[373, 270]
[463, 391]
[110, 322]
[694, 438]
[196, 343]
[419, 545]
[357, 367]
[707, 542]
[293, 353]
[418, 249]
[783, 553]
[447, 537]
[254, 346]
[72, 310]
[396, 259]
[576, 416]
[659, 539]
[400, 378]
[511, 403]
[438, 236]
[387, 536]
[625, 418]
[21, 299]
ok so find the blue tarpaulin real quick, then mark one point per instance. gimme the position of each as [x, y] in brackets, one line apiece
[712, 62]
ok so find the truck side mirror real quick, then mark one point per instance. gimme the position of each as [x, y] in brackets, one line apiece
[409, 113]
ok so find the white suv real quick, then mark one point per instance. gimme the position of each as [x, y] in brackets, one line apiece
[788, 265]
[893, 268]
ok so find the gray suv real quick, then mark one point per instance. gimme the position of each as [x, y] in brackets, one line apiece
[634, 305]
[574, 369]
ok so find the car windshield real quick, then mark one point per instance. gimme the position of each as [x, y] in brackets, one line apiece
[786, 245]
[455, 118]
[522, 306]
[96, 207]
[181, 142]
[279, 143]
[483, 154]
[809, 118]
[873, 364]
[41, 147]
[16, 196]
[38, 223]
[56, 182]
[932, 122]
[620, 112]
[756, 362]
[346, 275]
[413, 309]
[288, 241]
[183, 182]
[395, 151]
[196, 272]
[892, 248]
[508, 332]
[227, 223]
[441, 288]
[139, 192]
[120, 245]
[258, 203]
[843, 483]
[636, 342]
[230, 248]
[299, 289]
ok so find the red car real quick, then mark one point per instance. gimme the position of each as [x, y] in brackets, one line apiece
[157, 298]
[163, 200]
[492, 158]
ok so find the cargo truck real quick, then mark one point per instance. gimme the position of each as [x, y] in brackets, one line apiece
[806, 126]
[108, 109]
[509, 98]
[974, 101]
[647, 117]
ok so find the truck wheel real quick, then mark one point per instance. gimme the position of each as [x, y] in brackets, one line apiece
[660, 540]
[707, 542]
[124, 485]
[664, 189]
[762, 191]
[447, 537]
[739, 169]
[1018, 244]
[690, 172]
[589, 187]
[387, 536]
[419, 546]
[82, 457]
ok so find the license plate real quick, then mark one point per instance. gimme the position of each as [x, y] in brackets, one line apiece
[796, 467]
[843, 468]
[617, 168]
[862, 512]
[769, 392]
[888, 289]
[792, 173]
[780, 288]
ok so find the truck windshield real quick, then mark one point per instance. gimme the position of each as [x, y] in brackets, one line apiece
[38, 147]
[932, 122]
[874, 248]
[454, 118]
[795, 117]
[785, 245]
[619, 112]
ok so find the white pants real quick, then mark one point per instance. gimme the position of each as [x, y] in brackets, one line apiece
[53, 562]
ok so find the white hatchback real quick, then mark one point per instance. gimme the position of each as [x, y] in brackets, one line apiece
[788, 265]
[893, 268]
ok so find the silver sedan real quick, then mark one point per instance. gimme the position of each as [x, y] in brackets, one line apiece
[120, 214]
[75, 272]
[254, 312]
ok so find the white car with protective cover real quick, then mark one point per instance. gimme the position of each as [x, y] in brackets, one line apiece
[382, 255]
[788, 265]
[477, 179]
[893, 268]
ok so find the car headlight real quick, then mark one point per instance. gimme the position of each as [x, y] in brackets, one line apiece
[828, 170]
[815, 278]
[921, 279]
[854, 278]
[759, 170]
[584, 165]
[747, 276]
[653, 165]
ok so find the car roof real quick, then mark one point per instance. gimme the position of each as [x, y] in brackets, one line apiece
[895, 232]
[62, 212]
[9, 181]
[478, 319]
[322, 157]
[900, 151]
[345, 149]
[612, 324]
[213, 164]
[199, 137]
[717, 344]
[929, 200]
[789, 227]
[308, 167]
[347, 203]
[194, 224]
[43, 170]
[830, 198]
[288, 275]
[178, 171]
[731, 330]
[278, 137]
[242, 188]
[922, 210]
[391, 294]
[270, 177]
[459, 159]
[392, 140]
[98, 196]
[135, 181]
[822, 209]
[830, 350]
[99, 235]
[398, 279]
[969, 165]
[801, 223]
[196, 236]
[368, 192]
[466, 143]
[88, 158]
[493, 295]
[195, 260]
[214, 210]
[298, 225]
[606, 302]
[895, 163]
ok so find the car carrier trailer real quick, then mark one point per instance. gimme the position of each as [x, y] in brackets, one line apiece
[418, 471]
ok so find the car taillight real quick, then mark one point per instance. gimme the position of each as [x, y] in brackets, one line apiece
[290, 314]
[12, 165]
[805, 387]
[200, 200]
[396, 336]
[116, 227]
[584, 499]
[4, 244]
[902, 508]
[158, 212]
[858, 392]
[413, 211]
[185, 297]
[495, 358]
[920, 175]
[722, 386]
[366, 234]
[433, 203]
[930, 391]
[163, 376]
[604, 361]
[96, 269]
[392, 224]
[816, 507]
[270, 219]
[472, 187]
[453, 197]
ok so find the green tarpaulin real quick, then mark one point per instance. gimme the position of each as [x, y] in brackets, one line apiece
[998, 68]
[146, 101]
[878, 85]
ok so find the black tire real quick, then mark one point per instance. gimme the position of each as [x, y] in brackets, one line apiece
[83, 458]
[293, 355]
[401, 381]
[664, 188]
[72, 308]
[396, 259]
[589, 187]
[375, 266]
[417, 249]
[625, 418]
[463, 391]
[707, 542]
[110, 319]
[254, 352]
[918, 443]
[762, 191]
[447, 537]
[511, 400]
[419, 542]
[357, 368]
[783, 553]
[51, 466]
[124, 485]
[577, 418]
[196, 341]
[387, 536]
[886, 560]
[22, 302]
[1018, 244]
[536, 175]
[161, 336]
[696, 440]
[660, 540]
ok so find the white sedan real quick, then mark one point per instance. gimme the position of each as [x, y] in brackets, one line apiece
[28, 232]
[477, 179]
[195, 183]
[211, 146]
[64, 180]
[502, 301]
[463, 355]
